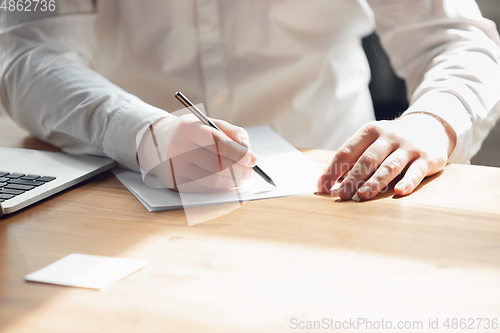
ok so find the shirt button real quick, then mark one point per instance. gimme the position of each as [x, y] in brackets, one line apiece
[208, 24]
[218, 98]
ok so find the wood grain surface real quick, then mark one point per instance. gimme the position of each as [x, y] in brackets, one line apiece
[270, 266]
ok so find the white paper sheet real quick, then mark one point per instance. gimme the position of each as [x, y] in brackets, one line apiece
[292, 172]
[86, 271]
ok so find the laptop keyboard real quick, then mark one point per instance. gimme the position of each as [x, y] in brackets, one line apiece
[12, 183]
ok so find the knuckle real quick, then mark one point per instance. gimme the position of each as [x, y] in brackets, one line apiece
[395, 139]
[342, 154]
[243, 137]
[241, 131]
[369, 158]
[422, 155]
[371, 184]
[372, 127]
[418, 174]
[393, 167]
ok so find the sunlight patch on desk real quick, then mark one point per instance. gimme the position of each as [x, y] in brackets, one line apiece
[275, 282]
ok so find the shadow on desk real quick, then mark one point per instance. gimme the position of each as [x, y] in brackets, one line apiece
[33, 143]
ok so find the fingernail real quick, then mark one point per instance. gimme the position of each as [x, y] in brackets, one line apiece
[364, 189]
[402, 187]
[336, 187]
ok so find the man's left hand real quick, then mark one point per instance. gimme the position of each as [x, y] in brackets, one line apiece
[417, 145]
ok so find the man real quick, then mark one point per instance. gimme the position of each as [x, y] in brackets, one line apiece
[88, 77]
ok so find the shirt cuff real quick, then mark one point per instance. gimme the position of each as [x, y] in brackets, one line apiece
[119, 141]
[450, 109]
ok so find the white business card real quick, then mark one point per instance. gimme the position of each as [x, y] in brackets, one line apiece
[86, 271]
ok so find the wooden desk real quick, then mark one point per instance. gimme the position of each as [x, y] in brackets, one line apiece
[435, 253]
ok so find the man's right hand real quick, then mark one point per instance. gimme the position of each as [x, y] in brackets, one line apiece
[189, 156]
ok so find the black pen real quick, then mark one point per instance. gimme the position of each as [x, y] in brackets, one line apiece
[187, 103]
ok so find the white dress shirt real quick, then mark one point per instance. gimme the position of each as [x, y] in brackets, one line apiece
[87, 77]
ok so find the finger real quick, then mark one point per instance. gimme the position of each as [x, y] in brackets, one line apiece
[392, 166]
[208, 161]
[236, 153]
[191, 134]
[364, 168]
[347, 156]
[417, 171]
[235, 133]
[207, 136]
[187, 177]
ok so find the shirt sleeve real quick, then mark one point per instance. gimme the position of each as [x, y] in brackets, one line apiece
[47, 85]
[450, 57]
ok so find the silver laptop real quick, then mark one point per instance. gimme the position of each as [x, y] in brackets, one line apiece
[28, 176]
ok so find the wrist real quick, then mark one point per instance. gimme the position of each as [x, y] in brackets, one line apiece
[448, 130]
[150, 150]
